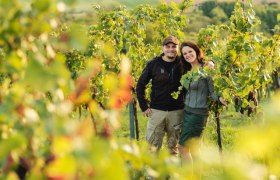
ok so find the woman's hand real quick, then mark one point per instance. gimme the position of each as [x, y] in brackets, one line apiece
[222, 101]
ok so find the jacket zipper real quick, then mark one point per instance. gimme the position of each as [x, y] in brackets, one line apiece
[196, 93]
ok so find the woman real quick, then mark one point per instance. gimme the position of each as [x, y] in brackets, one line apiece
[199, 87]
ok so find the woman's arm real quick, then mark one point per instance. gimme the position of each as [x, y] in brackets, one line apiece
[211, 92]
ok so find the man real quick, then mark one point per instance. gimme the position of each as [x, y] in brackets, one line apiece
[164, 112]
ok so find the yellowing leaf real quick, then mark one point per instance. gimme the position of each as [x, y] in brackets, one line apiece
[12, 176]
[61, 145]
[65, 168]
[110, 82]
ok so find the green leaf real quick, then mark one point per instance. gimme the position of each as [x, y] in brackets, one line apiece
[14, 62]
[78, 37]
[12, 143]
[175, 95]
[34, 73]
[41, 5]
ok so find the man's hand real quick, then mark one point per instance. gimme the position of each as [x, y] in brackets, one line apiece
[148, 112]
[210, 64]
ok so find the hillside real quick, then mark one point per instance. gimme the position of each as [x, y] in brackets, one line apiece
[200, 1]
[87, 4]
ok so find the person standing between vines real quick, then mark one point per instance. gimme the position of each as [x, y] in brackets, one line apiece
[199, 86]
[164, 112]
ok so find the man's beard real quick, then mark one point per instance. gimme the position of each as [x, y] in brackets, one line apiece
[171, 57]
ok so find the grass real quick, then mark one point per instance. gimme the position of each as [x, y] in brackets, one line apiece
[124, 131]
[231, 123]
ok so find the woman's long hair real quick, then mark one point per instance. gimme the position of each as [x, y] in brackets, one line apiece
[186, 66]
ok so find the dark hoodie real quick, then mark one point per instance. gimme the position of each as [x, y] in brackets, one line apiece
[164, 82]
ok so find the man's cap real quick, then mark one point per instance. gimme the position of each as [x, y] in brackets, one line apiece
[170, 39]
